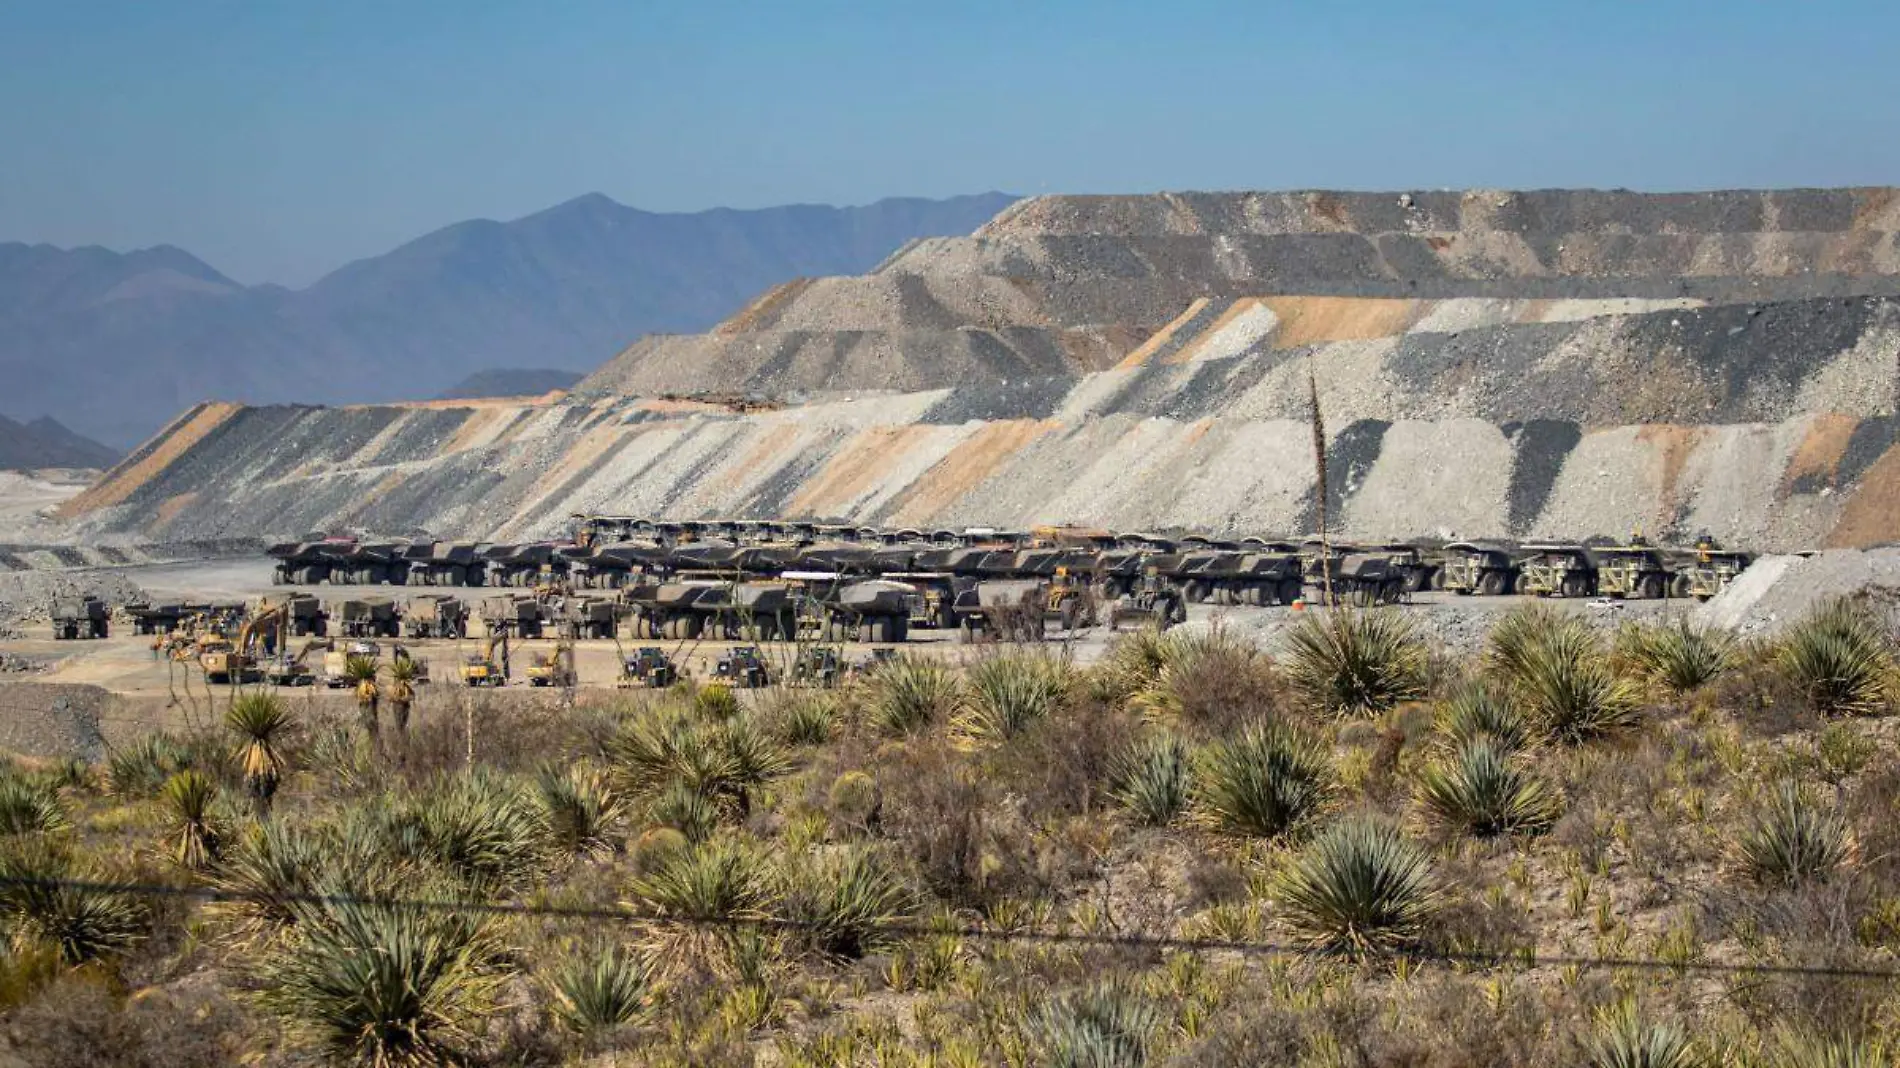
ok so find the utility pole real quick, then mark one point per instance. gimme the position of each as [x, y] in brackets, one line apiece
[1319, 470]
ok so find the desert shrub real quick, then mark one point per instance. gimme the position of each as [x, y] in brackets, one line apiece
[844, 905]
[1062, 764]
[1622, 1038]
[1837, 658]
[1131, 664]
[481, 829]
[1792, 837]
[29, 807]
[1356, 663]
[1008, 692]
[42, 908]
[717, 881]
[385, 986]
[578, 811]
[1360, 887]
[1102, 1026]
[807, 719]
[910, 693]
[137, 769]
[1481, 789]
[267, 873]
[1151, 779]
[1556, 666]
[656, 847]
[944, 816]
[1476, 710]
[1265, 781]
[854, 799]
[1211, 683]
[193, 830]
[685, 810]
[1676, 656]
[723, 762]
[80, 1022]
[600, 990]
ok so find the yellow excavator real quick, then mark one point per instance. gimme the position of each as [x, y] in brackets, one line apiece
[233, 659]
[292, 670]
[482, 669]
[555, 667]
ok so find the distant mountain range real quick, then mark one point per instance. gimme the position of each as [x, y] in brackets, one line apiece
[114, 344]
[45, 443]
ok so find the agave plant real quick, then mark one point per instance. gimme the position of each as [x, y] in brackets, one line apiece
[1265, 781]
[260, 721]
[406, 988]
[687, 811]
[138, 769]
[844, 905]
[361, 671]
[1803, 1049]
[1356, 663]
[481, 829]
[1007, 693]
[1624, 1039]
[1677, 656]
[44, 905]
[1793, 839]
[910, 693]
[578, 810]
[1481, 790]
[403, 672]
[1359, 888]
[1556, 666]
[716, 882]
[1104, 1026]
[599, 991]
[1151, 779]
[28, 807]
[1477, 710]
[196, 841]
[1837, 657]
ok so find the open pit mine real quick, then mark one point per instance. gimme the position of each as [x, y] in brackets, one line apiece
[1490, 365]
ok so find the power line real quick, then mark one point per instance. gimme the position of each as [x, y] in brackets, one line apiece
[921, 930]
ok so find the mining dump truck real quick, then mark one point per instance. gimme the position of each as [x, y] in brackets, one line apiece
[158, 618]
[650, 667]
[587, 617]
[1636, 571]
[1153, 602]
[1710, 571]
[306, 617]
[668, 609]
[443, 563]
[1002, 610]
[874, 611]
[367, 617]
[1557, 570]
[80, 617]
[1366, 579]
[520, 614]
[1480, 567]
[436, 615]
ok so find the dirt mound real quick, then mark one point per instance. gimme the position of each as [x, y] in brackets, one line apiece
[53, 720]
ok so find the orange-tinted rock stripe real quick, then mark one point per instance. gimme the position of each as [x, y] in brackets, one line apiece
[853, 470]
[1819, 454]
[1872, 514]
[964, 467]
[1148, 348]
[1185, 354]
[1313, 320]
[177, 440]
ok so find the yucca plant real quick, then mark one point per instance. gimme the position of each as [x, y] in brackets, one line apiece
[1837, 657]
[196, 840]
[716, 701]
[1133, 663]
[664, 747]
[44, 909]
[578, 810]
[1104, 1026]
[687, 811]
[369, 985]
[1624, 1039]
[1478, 710]
[756, 758]
[139, 768]
[1265, 781]
[843, 905]
[1008, 692]
[1793, 838]
[1804, 1049]
[1356, 663]
[273, 867]
[1556, 666]
[361, 671]
[28, 807]
[1677, 656]
[1482, 790]
[481, 829]
[261, 722]
[718, 881]
[1361, 887]
[403, 672]
[808, 719]
[909, 693]
[1151, 779]
[599, 991]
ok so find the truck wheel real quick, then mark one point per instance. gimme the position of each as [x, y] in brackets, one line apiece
[1491, 583]
[1650, 588]
[1679, 586]
[1392, 592]
[1574, 586]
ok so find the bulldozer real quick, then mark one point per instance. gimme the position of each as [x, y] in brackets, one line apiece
[1152, 602]
[483, 669]
[648, 667]
[555, 667]
[743, 666]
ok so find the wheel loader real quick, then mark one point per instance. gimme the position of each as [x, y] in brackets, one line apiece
[743, 666]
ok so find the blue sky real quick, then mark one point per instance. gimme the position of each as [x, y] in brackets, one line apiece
[279, 140]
